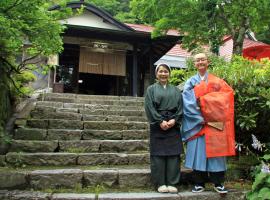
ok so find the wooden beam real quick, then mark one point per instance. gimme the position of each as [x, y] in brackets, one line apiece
[135, 72]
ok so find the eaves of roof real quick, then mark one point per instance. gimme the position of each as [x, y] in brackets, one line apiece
[99, 12]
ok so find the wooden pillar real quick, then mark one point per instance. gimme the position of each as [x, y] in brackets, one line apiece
[151, 67]
[135, 72]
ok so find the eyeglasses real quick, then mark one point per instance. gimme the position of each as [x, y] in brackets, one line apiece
[200, 59]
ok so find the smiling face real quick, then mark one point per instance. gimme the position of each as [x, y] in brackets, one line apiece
[163, 74]
[201, 63]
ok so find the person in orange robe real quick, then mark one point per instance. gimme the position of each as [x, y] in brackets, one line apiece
[208, 126]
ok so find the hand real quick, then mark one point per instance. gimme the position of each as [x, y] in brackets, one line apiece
[164, 125]
[171, 123]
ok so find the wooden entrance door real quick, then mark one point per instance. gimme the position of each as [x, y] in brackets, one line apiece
[105, 63]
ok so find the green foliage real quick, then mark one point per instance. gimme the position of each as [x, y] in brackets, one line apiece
[120, 9]
[205, 22]
[111, 6]
[251, 83]
[177, 76]
[29, 31]
[260, 187]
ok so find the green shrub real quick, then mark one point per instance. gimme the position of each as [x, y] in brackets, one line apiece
[177, 76]
[261, 186]
[251, 83]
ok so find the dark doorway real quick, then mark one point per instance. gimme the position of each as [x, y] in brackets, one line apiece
[97, 84]
[67, 72]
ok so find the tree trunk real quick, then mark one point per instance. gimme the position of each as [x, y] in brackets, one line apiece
[238, 41]
[4, 97]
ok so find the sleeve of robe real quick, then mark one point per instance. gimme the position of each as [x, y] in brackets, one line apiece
[179, 107]
[192, 117]
[152, 115]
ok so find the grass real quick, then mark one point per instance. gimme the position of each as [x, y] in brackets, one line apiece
[241, 185]
[99, 189]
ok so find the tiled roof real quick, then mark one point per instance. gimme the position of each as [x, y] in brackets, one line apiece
[149, 29]
[250, 43]
[226, 49]
[177, 50]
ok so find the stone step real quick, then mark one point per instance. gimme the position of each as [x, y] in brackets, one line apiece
[79, 146]
[90, 97]
[35, 114]
[74, 177]
[150, 195]
[78, 124]
[68, 159]
[90, 107]
[65, 134]
[44, 110]
[122, 102]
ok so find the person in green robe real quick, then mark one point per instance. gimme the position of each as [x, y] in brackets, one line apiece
[163, 107]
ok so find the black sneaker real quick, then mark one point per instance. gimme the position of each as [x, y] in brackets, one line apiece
[197, 189]
[221, 189]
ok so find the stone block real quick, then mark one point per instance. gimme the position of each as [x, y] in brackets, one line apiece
[49, 104]
[37, 123]
[64, 134]
[135, 134]
[107, 178]
[40, 159]
[134, 159]
[73, 105]
[73, 196]
[95, 118]
[69, 110]
[135, 178]
[56, 115]
[33, 146]
[28, 195]
[30, 134]
[102, 159]
[138, 196]
[68, 124]
[81, 146]
[12, 180]
[123, 145]
[102, 134]
[59, 178]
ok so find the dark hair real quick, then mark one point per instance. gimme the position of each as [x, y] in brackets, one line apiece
[163, 65]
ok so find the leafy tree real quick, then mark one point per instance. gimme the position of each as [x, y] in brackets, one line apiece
[111, 6]
[205, 21]
[120, 9]
[264, 34]
[29, 31]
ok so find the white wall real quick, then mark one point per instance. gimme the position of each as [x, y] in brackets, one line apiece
[89, 19]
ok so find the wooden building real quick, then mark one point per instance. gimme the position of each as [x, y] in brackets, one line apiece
[103, 56]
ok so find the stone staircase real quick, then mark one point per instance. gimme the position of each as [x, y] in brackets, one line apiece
[72, 143]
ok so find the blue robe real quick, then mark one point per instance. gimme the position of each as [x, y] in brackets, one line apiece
[192, 123]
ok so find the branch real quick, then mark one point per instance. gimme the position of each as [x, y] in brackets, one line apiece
[12, 68]
[224, 19]
[16, 3]
[21, 66]
[8, 73]
[15, 86]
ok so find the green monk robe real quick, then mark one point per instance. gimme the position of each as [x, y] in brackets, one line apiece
[164, 104]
